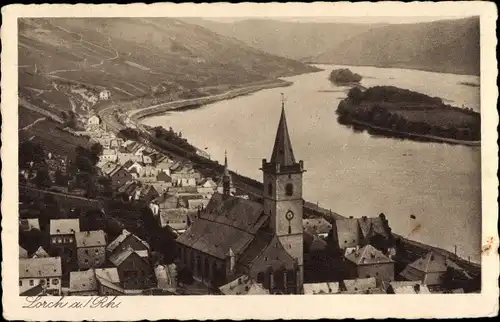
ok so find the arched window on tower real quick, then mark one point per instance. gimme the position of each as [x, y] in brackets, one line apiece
[289, 189]
[270, 189]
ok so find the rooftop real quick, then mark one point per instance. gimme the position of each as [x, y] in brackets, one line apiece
[39, 267]
[64, 226]
[90, 238]
[322, 288]
[368, 255]
[82, 281]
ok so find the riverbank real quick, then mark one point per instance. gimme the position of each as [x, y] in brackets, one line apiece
[192, 103]
[407, 135]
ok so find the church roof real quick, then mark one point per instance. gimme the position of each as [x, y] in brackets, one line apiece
[368, 255]
[227, 222]
[282, 150]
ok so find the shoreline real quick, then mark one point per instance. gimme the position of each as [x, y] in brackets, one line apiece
[193, 103]
[414, 136]
[423, 69]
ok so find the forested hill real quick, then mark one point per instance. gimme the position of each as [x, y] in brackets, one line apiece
[450, 46]
[135, 57]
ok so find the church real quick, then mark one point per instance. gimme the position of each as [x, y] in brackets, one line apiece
[234, 237]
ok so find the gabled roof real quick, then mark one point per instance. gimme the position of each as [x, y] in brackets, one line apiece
[39, 267]
[90, 238]
[119, 257]
[322, 288]
[432, 263]
[282, 150]
[409, 287]
[64, 226]
[109, 274]
[82, 281]
[243, 285]
[227, 222]
[23, 253]
[368, 255]
[118, 240]
[371, 226]
[317, 225]
[116, 170]
[360, 284]
[40, 252]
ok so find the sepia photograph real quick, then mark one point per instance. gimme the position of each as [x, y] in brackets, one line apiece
[243, 155]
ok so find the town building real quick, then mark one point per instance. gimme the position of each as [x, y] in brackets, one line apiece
[431, 269]
[83, 283]
[62, 241]
[93, 120]
[119, 176]
[243, 285]
[44, 274]
[362, 286]
[407, 287]
[226, 181]
[322, 288]
[266, 244]
[96, 281]
[105, 95]
[317, 226]
[90, 249]
[108, 155]
[166, 277]
[134, 270]
[125, 240]
[40, 252]
[369, 262]
[23, 253]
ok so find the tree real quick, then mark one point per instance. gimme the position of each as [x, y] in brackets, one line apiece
[30, 152]
[60, 178]
[355, 94]
[42, 179]
[84, 164]
[96, 149]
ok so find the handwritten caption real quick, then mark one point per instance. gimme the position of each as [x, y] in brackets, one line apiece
[93, 302]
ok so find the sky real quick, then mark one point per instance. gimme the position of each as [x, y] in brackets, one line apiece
[361, 19]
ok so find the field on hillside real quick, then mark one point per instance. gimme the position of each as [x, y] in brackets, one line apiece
[132, 58]
[48, 134]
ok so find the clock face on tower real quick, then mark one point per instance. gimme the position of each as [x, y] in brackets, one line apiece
[289, 215]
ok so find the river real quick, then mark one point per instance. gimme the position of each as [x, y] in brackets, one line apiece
[355, 174]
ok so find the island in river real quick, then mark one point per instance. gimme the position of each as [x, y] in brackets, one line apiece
[344, 76]
[397, 112]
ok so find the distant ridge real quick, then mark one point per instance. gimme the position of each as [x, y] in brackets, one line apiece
[450, 46]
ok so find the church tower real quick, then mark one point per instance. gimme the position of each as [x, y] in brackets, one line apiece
[283, 194]
[225, 185]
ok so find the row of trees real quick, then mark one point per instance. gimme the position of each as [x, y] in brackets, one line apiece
[377, 115]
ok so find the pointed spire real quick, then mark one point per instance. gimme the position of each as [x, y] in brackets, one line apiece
[226, 169]
[282, 151]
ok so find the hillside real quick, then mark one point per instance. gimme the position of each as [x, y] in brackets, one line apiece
[296, 40]
[64, 63]
[450, 46]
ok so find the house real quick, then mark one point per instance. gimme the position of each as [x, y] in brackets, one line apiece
[123, 157]
[90, 249]
[243, 285]
[167, 201]
[96, 281]
[119, 176]
[149, 193]
[197, 203]
[62, 241]
[431, 269]
[178, 219]
[207, 187]
[108, 155]
[266, 243]
[108, 167]
[44, 273]
[360, 285]
[126, 239]
[163, 177]
[39, 253]
[134, 270]
[407, 287]
[23, 253]
[317, 226]
[147, 159]
[83, 283]
[108, 281]
[94, 120]
[138, 166]
[352, 232]
[150, 171]
[105, 94]
[164, 166]
[369, 262]
[322, 288]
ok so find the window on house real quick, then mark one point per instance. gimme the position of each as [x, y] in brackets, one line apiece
[86, 252]
[97, 251]
[55, 281]
[289, 189]
[32, 282]
[270, 189]
[20, 283]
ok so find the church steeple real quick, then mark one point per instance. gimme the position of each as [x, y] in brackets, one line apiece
[282, 151]
[226, 178]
